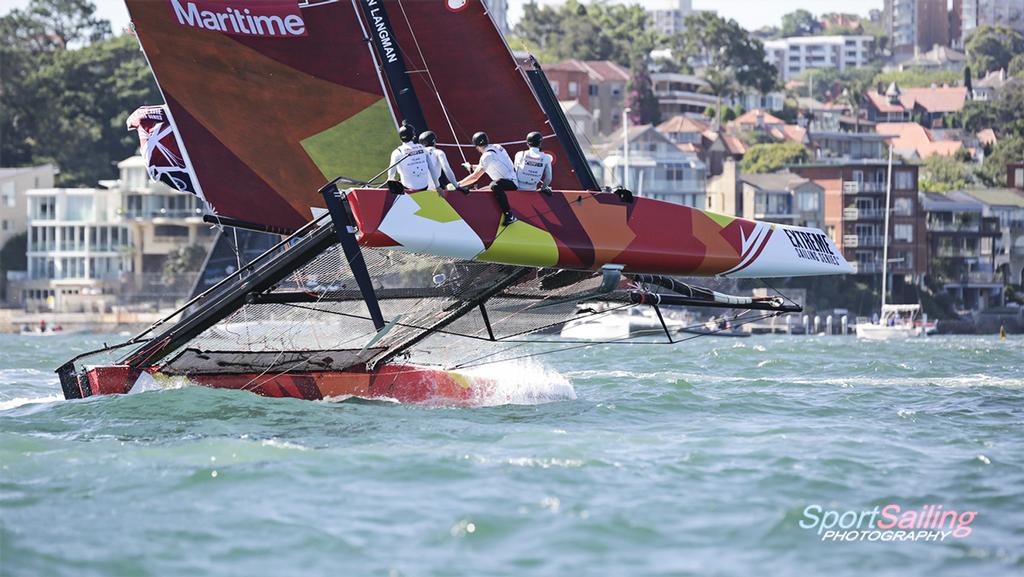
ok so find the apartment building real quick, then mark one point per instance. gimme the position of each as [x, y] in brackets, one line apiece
[783, 197]
[916, 26]
[976, 13]
[13, 202]
[854, 214]
[669, 16]
[962, 248]
[89, 248]
[599, 86]
[793, 56]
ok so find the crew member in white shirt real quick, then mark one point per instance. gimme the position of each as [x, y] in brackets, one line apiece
[533, 166]
[410, 169]
[439, 159]
[495, 163]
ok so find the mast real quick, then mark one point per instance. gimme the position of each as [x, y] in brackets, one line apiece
[885, 241]
[390, 59]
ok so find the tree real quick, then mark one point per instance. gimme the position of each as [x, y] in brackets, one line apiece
[641, 100]
[763, 158]
[943, 174]
[991, 48]
[800, 23]
[595, 31]
[714, 42]
[993, 172]
[721, 82]
[12, 257]
[969, 81]
[1016, 67]
[182, 260]
[66, 89]
[1005, 113]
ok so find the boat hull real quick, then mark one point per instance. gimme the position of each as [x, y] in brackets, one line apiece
[589, 230]
[403, 383]
[887, 333]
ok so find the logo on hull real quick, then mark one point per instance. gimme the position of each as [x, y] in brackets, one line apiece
[268, 18]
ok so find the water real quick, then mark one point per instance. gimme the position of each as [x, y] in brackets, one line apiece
[696, 460]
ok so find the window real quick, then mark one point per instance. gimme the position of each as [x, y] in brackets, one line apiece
[904, 180]
[592, 90]
[78, 208]
[574, 89]
[43, 208]
[616, 89]
[903, 232]
[808, 201]
[903, 207]
[3, 225]
[8, 194]
[1018, 177]
[554, 87]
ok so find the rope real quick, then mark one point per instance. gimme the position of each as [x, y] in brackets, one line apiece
[430, 77]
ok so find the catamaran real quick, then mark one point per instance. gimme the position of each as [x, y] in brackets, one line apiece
[374, 294]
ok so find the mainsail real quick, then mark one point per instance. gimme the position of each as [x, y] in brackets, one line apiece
[268, 117]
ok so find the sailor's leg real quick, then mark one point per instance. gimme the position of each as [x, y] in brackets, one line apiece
[499, 188]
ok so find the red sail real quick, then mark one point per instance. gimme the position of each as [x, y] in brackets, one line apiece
[267, 119]
[272, 98]
[467, 80]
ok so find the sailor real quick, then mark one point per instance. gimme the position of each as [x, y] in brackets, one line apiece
[533, 167]
[495, 163]
[439, 159]
[409, 164]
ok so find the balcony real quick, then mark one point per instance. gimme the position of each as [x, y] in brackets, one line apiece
[866, 267]
[861, 241]
[957, 252]
[940, 226]
[854, 187]
[854, 213]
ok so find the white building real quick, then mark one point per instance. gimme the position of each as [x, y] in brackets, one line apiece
[657, 167]
[978, 13]
[669, 16]
[792, 56]
[13, 184]
[89, 248]
[77, 249]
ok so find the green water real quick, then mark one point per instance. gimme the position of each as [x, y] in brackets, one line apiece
[695, 460]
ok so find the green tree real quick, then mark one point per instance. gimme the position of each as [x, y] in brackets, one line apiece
[595, 31]
[1005, 113]
[800, 23]
[181, 260]
[763, 158]
[991, 48]
[641, 100]
[714, 42]
[919, 78]
[943, 174]
[993, 172]
[66, 88]
[1016, 67]
[720, 83]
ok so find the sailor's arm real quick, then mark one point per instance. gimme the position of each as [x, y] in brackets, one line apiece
[472, 178]
[446, 168]
[396, 157]
[547, 173]
[434, 171]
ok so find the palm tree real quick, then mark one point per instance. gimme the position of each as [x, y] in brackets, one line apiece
[853, 94]
[721, 82]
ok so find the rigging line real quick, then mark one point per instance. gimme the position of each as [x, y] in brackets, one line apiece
[507, 143]
[430, 77]
[769, 285]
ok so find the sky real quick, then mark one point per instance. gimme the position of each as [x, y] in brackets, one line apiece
[752, 14]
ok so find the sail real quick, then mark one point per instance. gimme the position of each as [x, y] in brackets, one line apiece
[466, 80]
[267, 116]
[271, 98]
[161, 149]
